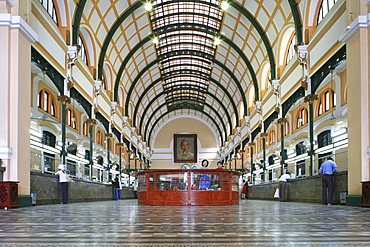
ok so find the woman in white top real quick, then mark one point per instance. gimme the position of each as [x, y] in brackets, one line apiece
[63, 181]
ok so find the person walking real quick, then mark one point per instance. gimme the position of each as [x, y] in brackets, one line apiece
[245, 190]
[283, 179]
[327, 169]
[63, 181]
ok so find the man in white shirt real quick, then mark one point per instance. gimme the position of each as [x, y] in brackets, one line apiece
[283, 179]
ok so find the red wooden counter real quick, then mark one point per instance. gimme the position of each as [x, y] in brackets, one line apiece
[188, 187]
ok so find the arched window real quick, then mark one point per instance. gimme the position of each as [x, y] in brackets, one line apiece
[99, 138]
[71, 118]
[271, 137]
[291, 51]
[46, 102]
[50, 8]
[83, 52]
[302, 117]
[326, 5]
[86, 129]
[286, 129]
[326, 101]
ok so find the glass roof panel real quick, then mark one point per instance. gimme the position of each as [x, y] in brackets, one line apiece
[186, 30]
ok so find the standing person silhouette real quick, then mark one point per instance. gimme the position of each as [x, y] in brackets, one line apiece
[327, 169]
[63, 181]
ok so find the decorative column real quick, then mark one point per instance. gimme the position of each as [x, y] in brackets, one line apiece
[108, 136]
[311, 99]
[91, 122]
[129, 152]
[281, 122]
[264, 137]
[235, 157]
[120, 145]
[64, 100]
[135, 162]
[252, 145]
[356, 37]
[242, 151]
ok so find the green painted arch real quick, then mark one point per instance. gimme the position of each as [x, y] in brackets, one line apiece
[139, 4]
[297, 21]
[262, 33]
[160, 79]
[238, 85]
[156, 121]
[162, 93]
[77, 21]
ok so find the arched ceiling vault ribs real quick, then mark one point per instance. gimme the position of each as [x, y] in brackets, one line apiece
[155, 123]
[262, 33]
[297, 21]
[77, 21]
[237, 83]
[159, 80]
[161, 94]
[139, 4]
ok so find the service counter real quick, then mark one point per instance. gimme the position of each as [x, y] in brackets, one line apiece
[198, 187]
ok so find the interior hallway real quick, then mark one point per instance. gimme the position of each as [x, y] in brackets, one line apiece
[124, 223]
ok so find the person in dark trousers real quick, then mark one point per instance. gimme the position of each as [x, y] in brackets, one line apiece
[283, 179]
[116, 188]
[245, 190]
[327, 169]
[63, 181]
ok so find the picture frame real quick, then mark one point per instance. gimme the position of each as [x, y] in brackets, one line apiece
[185, 149]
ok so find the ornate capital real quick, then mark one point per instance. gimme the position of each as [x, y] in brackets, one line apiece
[64, 99]
[264, 135]
[108, 135]
[311, 98]
[129, 151]
[251, 144]
[282, 120]
[91, 121]
[302, 53]
[72, 53]
[242, 151]
[120, 144]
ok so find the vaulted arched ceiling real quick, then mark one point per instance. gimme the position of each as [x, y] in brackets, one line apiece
[185, 71]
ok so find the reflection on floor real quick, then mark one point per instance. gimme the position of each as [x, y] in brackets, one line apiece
[124, 223]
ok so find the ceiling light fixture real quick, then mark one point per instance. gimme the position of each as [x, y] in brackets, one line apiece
[155, 40]
[217, 41]
[148, 6]
[224, 5]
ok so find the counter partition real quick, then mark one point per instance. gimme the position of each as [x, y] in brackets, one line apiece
[188, 187]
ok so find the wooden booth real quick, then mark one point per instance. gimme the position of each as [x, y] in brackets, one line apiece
[198, 187]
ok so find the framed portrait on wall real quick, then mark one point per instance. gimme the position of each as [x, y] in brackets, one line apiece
[185, 148]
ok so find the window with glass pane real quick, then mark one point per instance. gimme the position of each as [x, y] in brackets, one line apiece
[141, 183]
[326, 5]
[50, 8]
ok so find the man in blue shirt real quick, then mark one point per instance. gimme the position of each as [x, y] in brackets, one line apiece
[327, 169]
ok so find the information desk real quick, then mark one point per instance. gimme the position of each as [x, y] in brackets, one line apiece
[188, 187]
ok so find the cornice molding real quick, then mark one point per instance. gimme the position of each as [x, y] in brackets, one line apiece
[362, 21]
[17, 22]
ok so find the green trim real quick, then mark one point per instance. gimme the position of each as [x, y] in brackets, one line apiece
[111, 32]
[297, 21]
[77, 22]
[262, 33]
[24, 201]
[159, 95]
[246, 61]
[354, 200]
[156, 121]
[128, 57]
[159, 80]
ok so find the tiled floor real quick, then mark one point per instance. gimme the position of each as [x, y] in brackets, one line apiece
[124, 223]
